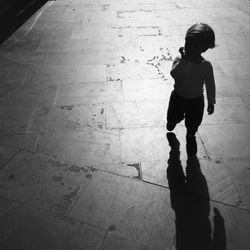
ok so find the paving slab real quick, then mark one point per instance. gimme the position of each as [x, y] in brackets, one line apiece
[29, 95]
[137, 211]
[68, 118]
[14, 120]
[89, 56]
[116, 242]
[6, 154]
[226, 140]
[246, 101]
[63, 75]
[228, 110]
[27, 142]
[7, 75]
[85, 147]
[95, 32]
[230, 86]
[239, 171]
[235, 66]
[151, 90]
[48, 34]
[233, 85]
[96, 92]
[218, 178]
[43, 182]
[6, 89]
[68, 45]
[26, 57]
[5, 205]
[136, 114]
[27, 228]
[133, 71]
[17, 42]
[150, 144]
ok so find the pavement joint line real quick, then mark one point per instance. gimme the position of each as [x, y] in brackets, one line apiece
[17, 134]
[29, 206]
[203, 144]
[49, 212]
[33, 23]
[24, 150]
[85, 223]
[37, 145]
[36, 15]
[154, 184]
[30, 120]
[10, 159]
[136, 179]
[56, 95]
[104, 238]
[220, 202]
[83, 191]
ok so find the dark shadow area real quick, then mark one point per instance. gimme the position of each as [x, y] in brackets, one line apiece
[190, 200]
[14, 13]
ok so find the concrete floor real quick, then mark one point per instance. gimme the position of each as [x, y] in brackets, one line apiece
[84, 158]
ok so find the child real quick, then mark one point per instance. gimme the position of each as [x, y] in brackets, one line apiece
[191, 72]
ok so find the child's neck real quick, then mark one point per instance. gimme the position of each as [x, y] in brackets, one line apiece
[196, 59]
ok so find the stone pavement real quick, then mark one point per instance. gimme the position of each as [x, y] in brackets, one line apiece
[84, 158]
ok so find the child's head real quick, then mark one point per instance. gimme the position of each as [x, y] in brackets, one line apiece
[199, 37]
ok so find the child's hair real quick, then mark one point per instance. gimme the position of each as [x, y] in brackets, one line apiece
[204, 33]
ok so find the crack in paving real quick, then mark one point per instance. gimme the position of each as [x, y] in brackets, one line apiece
[137, 166]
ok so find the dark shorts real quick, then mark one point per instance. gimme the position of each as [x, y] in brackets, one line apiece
[191, 110]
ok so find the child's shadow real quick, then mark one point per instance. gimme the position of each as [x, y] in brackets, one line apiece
[190, 200]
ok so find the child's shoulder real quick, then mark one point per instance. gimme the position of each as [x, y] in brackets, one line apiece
[207, 63]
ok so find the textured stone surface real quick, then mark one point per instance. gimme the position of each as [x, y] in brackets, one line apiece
[68, 118]
[151, 144]
[26, 142]
[240, 170]
[146, 90]
[228, 110]
[86, 84]
[43, 182]
[116, 242]
[24, 227]
[6, 153]
[136, 210]
[58, 74]
[226, 140]
[136, 115]
[86, 148]
[98, 92]
[14, 120]
[29, 95]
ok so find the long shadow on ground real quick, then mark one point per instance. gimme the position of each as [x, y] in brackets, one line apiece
[190, 200]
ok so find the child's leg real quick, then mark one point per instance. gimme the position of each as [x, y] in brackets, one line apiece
[193, 116]
[193, 119]
[175, 112]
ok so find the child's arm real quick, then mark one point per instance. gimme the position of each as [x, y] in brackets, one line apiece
[179, 65]
[210, 88]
